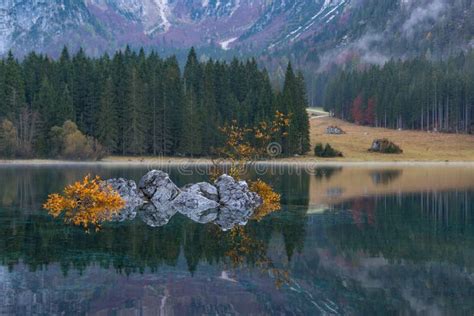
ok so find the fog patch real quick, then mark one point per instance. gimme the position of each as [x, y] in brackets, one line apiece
[364, 48]
[423, 14]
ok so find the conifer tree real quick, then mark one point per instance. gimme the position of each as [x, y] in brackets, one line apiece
[65, 106]
[294, 103]
[107, 122]
[135, 131]
[3, 106]
[192, 128]
[175, 100]
[14, 92]
[121, 77]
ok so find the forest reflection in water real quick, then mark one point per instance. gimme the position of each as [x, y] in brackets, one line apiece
[374, 247]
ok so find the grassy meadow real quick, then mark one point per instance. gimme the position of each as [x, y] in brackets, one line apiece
[416, 145]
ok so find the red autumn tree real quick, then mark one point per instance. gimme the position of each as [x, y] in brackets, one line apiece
[356, 110]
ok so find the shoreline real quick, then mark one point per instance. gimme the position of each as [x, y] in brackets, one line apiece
[171, 161]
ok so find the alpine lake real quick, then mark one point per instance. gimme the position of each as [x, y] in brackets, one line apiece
[357, 240]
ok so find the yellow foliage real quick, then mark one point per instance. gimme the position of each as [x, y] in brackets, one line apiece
[242, 245]
[271, 199]
[69, 142]
[244, 145]
[85, 203]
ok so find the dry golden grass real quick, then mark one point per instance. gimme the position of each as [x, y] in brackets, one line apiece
[416, 145]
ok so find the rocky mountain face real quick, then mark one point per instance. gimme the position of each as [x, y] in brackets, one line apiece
[100, 25]
[313, 33]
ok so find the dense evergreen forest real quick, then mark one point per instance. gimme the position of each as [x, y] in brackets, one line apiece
[412, 94]
[138, 104]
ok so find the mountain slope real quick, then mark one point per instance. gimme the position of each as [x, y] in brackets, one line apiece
[106, 24]
[313, 33]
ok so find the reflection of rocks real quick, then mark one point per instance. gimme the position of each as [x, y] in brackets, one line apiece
[203, 188]
[236, 195]
[128, 191]
[229, 217]
[157, 199]
[385, 176]
[156, 216]
[326, 172]
[334, 192]
[196, 207]
[125, 214]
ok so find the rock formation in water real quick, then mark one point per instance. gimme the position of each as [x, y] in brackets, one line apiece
[157, 199]
[129, 192]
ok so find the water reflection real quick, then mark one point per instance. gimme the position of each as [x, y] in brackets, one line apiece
[374, 251]
[421, 227]
[385, 176]
[325, 173]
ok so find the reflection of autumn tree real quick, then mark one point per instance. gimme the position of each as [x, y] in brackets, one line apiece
[245, 250]
[362, 210]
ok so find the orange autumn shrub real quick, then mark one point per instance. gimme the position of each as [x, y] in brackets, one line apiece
[271, 199]
[85, 203]
[244, 145]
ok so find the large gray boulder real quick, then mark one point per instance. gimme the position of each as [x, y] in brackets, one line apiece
[236, 194]
[196, 207]
[156, 216]
[128, 191]
[157, 186]
[203, 188]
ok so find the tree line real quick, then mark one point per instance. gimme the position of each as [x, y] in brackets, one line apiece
[135, 103]
[412, 94]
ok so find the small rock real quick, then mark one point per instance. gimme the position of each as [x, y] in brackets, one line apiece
[334, 130]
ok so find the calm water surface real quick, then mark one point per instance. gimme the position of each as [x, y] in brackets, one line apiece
[347, 241]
